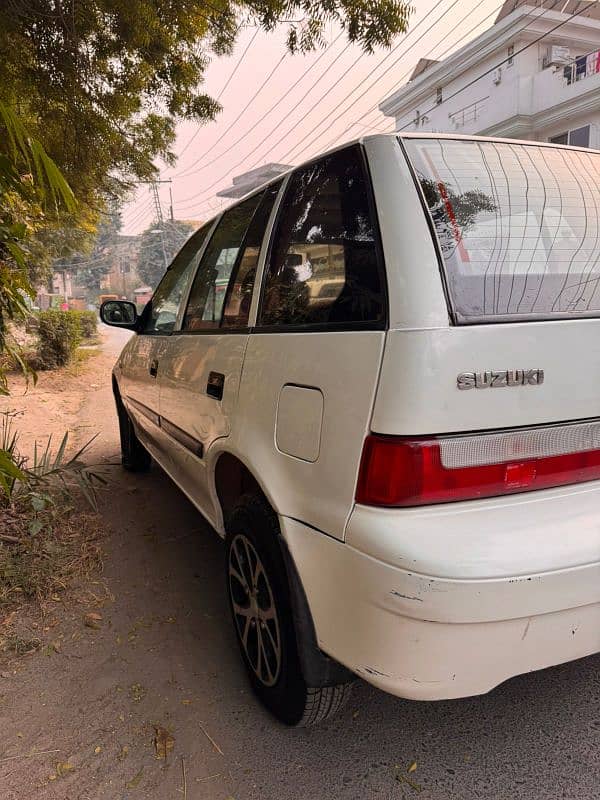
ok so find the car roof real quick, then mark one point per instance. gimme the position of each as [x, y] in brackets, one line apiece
[400, 135]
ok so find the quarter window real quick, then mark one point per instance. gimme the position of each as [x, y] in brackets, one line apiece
[323, 268]
[207, 296]
[160, 313]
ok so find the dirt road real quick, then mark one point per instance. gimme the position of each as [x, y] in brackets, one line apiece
[165, 657]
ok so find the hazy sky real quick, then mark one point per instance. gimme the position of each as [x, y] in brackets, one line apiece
[295, 115]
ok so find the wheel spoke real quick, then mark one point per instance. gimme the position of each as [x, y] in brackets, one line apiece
[243, 561]
[265, 656]
[275, 644]
[259, 653]
[234, 573]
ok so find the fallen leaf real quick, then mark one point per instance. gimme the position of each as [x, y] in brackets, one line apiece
[412, 767]
[123, 753]
[163, 742]
[97, 749]
[8, 619]
[186, 702]
[63, 768]
[5, 675]
[135, 781]
[56, 646]
[137, 692]
[355, 714]
[92, 620]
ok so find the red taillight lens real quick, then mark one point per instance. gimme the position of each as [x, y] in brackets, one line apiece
[397, 471]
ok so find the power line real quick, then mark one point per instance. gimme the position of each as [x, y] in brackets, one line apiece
[227, 82]
[242, 112]
[487, 72]
[321, 98]
[372, 84]
[282, 120]
[439, 56]
[189, 171]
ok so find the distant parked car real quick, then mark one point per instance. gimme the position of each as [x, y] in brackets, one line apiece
[378, 378]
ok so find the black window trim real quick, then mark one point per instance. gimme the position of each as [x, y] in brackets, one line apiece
[222, 329]
[370, 325]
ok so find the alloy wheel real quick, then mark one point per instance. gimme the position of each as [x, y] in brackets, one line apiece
[254, 611]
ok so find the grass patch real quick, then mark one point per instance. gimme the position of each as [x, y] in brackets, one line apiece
[47, 541]
[34, 568]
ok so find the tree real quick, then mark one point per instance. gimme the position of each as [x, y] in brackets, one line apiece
[30, 182]
[91, 266]
[172, 234]
[101, 83]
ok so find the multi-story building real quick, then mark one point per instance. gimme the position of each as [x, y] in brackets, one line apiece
[535, 74]
[122, 276]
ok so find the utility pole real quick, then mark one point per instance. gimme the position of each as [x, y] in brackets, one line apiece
[159, 214]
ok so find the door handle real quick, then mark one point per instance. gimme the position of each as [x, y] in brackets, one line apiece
[154, 367]
[215, 384]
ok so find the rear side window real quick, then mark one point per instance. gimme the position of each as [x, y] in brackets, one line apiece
[323, 268]
[207, 296]
[518, 227]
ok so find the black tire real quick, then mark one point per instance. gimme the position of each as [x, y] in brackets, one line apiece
[134, 456]
[261, 601]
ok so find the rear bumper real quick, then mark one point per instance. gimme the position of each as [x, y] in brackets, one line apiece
[428, 636]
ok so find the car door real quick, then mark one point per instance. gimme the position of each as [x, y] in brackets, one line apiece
[202, 363]
[141, 359]
[313, 358]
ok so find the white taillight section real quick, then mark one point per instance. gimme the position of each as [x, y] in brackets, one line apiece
[494, 448]
[399, 471]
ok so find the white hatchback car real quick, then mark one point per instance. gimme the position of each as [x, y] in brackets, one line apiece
[378, 377]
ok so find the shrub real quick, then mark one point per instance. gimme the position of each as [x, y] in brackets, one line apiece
[88, 321]
[59, 335]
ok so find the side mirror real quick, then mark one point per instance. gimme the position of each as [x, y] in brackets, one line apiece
[119, 313]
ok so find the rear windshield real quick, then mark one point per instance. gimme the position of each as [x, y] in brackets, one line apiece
[518, 227]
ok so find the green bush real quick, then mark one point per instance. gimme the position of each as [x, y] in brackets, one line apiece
[59, 335]
[88, 321]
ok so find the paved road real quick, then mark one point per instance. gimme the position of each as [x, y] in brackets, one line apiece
[168, 632]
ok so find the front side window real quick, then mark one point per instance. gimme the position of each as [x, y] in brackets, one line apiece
[518, 226]
[323, 267]
[207, 296]
[160, 313]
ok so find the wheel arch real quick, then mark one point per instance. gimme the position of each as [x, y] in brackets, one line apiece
[232, 478]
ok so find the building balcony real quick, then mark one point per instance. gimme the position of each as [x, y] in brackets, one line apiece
[523, 105]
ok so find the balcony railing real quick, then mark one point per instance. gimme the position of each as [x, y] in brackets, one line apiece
[469, 113]
[581, 68]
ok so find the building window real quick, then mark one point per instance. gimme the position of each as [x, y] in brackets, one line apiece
[438, 96]
[562, 138]
[511, 53]
[578, 137]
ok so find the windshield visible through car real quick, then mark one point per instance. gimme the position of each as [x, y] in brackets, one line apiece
[518, 226]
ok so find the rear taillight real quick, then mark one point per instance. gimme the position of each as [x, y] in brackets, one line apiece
[397, 471]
